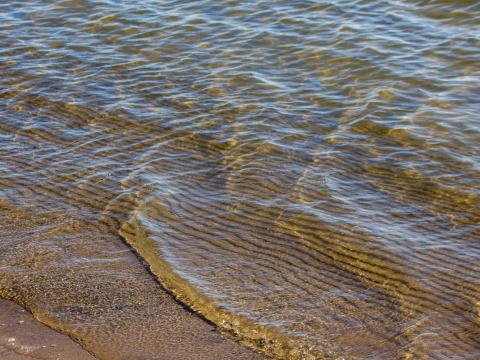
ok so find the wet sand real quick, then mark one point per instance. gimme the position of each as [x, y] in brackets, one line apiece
[119, 314]
[22, 337]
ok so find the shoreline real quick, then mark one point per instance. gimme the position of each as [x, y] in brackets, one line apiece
[111, 304]
[24, 337]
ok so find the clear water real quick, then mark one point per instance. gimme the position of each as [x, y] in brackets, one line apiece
[305, 174]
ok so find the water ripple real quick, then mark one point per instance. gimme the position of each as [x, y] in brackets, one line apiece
[305, 174]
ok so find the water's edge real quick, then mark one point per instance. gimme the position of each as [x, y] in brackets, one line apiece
[257, 337]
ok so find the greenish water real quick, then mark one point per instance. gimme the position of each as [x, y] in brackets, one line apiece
[304, 174]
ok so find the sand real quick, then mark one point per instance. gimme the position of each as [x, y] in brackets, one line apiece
[24, 338]
[79, 278]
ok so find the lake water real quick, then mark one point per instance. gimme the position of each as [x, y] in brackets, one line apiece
[304, 174]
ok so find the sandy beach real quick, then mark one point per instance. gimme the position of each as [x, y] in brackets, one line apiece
[115, 312]
[22, 337]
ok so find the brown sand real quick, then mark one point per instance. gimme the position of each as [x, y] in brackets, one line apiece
[110, 304]
[24, 338]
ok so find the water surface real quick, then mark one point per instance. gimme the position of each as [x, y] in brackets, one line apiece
[304, 174]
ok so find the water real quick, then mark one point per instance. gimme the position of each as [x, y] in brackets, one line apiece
[305, 174]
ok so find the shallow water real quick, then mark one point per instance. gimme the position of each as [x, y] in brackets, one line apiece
[305, 174]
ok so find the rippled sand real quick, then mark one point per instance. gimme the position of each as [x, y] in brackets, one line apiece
[305, 175]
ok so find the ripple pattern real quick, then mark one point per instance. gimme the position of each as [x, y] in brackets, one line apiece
[304, 174]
